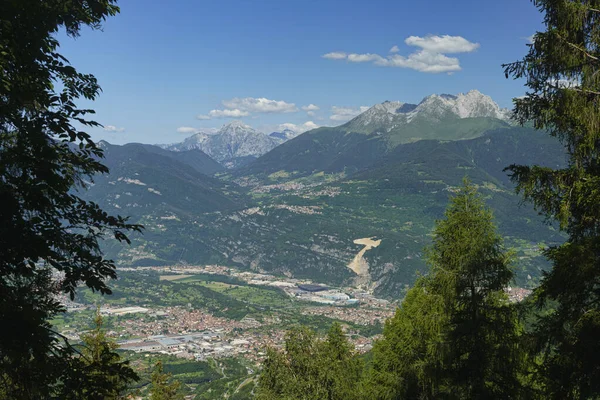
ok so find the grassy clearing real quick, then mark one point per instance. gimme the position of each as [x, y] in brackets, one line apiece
[249, 294]
[173, 277]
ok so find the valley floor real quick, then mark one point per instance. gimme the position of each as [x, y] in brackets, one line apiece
[213, 314]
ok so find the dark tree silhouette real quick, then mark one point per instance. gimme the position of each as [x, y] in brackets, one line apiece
[49, 237]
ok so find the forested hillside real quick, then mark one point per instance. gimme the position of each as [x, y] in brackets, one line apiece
[303, 223]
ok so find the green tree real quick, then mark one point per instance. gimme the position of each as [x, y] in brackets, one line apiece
[470, 270]
[104, 374]
[162, 386]
[49, 237]
[561, 71]
[311, 368]
[456, 335]
[408, 359]
[344, 370]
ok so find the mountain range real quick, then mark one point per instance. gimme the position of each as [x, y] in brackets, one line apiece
[361, 141]
[298, 208]
[393, 117]
[436, 117]
[234, 145]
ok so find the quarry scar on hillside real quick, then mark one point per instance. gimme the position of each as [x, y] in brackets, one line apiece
[358, 264]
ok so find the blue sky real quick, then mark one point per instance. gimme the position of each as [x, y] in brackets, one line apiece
[162, 64]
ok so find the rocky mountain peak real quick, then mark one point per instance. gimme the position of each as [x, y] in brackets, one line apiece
[436, 109]
[388, 106]
[236, 126]
[472, 104]
[284, 135]
[236, 143]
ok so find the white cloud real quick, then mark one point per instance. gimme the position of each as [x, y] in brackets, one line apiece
[301, 128]
[235, 113]
[231, 113]
[335, 55]
[445, 44]
[423, 61]
[368, 57]
[430, 58]
[310, 113]
[310, 107]
[112, 128]
[186, 129]
[530, 39]
[346, 113]
[243, 107]
[260, 105]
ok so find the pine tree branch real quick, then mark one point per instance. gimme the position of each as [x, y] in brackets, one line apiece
[573, 45]
[586, 91]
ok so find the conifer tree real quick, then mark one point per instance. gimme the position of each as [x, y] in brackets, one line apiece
[470, 269]
[343, 369]
[455, 335]
[163, 387]
[103, 374]
[407, 360]
[562, 72]
[311, 368]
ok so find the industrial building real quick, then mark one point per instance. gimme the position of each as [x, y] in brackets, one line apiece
[312, 288]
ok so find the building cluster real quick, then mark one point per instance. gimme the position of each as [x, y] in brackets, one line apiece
[329, 191]
[364, 344]
[360, 316]
[197, 334]
[177, 320]
[220, 343]
[236, 339]
[319, 294]
[107, 310]
[197, 345]
[284, 187]
[516, 294]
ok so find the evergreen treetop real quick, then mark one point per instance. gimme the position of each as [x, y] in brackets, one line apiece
[561, 71]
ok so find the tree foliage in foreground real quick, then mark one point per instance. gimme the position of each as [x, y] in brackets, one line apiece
[49, 237]
[311, 368]
[455, 335]
[162, 386]
[103, 374]
[562, 72]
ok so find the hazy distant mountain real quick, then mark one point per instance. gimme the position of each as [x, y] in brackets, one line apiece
[233, 145]
[381, 128]
[284, 135]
